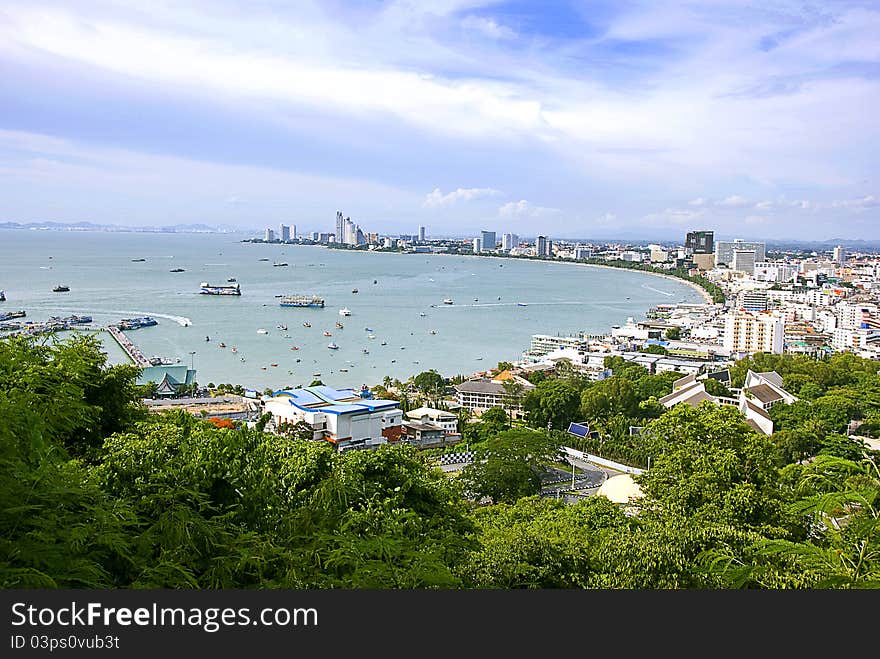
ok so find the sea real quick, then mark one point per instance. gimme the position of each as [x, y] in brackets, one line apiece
[399, 325]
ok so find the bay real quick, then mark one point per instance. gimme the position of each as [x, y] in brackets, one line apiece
[498, 303]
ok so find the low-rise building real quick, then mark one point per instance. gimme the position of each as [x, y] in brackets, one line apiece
[338, 416]
[482, 394]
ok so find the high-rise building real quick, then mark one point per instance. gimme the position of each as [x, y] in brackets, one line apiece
[700, 242]
[754, 301]
[293, 231]
[284, 232]
[270, 235]
[749, 332]
[340, 227]
[724, 250]
[421, 234]
[509, 241]
[487, 240]
[541, 246]
[478, 245]
[839, 255]
[743, 261]
[658, 254]
[583, 253]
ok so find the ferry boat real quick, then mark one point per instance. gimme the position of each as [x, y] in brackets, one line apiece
[447, 301]
[302, 301]
[332, 346]
[61, 289]
[136, 323]
[208, 289]
[345, 311]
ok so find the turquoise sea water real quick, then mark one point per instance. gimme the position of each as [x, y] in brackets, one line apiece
[485, 325]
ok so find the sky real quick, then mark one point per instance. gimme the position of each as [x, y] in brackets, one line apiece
[618, 118]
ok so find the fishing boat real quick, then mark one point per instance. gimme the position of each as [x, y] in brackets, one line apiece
[345, 311]
[61, 289]
[332, 346]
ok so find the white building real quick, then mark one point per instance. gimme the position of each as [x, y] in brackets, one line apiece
[839, 255]
[283, 233]
[440, 418]
[749, 332]
[421, 234]
[583, 253]
[478, 245]
[744, 261]
[340, 417]
[509, 241]
[658, 254]
[542, 246]
[270, 235]
[773, 271]
[724, 250]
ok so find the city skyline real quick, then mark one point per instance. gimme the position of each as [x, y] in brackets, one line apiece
[563, 119]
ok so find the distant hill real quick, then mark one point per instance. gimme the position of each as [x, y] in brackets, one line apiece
[91, 226]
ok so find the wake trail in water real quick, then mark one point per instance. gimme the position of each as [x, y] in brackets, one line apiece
[657, 291]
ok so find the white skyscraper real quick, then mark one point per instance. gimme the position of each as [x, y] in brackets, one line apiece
[284, 232]
[839, 255]
[743, 261]
[421, 234]
[478, 245]
[270, 235]
[509, 241]
[724, 250]
[340, 227]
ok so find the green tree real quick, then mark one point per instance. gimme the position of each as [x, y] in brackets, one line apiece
[430, 383]
[552, 403]
[508, 465]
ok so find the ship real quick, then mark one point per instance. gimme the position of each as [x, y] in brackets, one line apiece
[136, 323]
[302, 301]
[208, 289]
[9, 315]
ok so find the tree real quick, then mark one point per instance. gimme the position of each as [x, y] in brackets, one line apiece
[508, 466]
[552, 403]
[514, 391]
[429, 383]
[673, 333]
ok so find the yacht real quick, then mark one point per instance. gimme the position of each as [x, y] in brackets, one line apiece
[345, 311]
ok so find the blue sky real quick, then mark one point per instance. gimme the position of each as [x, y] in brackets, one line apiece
[570, 118]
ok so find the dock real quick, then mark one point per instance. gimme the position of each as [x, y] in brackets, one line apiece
[130, 348]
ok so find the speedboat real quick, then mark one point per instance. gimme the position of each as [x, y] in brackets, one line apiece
[433, 331]
[521, 304]
[221, 344]
[384, 343]
[354, 290]
[294, 347]
[61, 288]
[365, 351]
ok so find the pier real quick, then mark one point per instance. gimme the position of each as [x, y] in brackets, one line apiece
[130, 348]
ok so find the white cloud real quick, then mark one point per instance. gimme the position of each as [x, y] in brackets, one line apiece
[488, 27]
[523, 208]
[436, 199]
[734, 201]
[674, 216]
[699, 201]
[860, 204]
[764, 205]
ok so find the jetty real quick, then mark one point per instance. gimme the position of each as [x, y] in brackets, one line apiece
[134, 353]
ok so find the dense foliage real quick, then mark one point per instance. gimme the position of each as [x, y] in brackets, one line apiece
[95, 493]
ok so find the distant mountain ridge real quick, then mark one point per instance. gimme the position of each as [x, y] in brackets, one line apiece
[91, 226]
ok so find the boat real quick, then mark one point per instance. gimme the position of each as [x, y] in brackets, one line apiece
[262, 331]
[384, 343]
[281, 327]
[273, 364]
[375, 281]
[208, 289]
[433, 331]
[302, 301]
[423, 314]
[234, 349]
[307, 324]
[343, 370]
[521, 304]
[326, 333]
[294, 347]
[365, 351]
[332, 346]
[371, 336]
[368, 329]
[137, 323]
[61, 289]
[263, 259]
[354, 290]
[207, 338]
[177, 270]
[221, 344]
[138, 260]
[2, 296]
[316, 375]
[231, 280]
[279, 264]
[344, 311]
[447, 301]
[339, 325]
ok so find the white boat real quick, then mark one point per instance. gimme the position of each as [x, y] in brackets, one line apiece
[384, 343]
[447, 301]
[345, 311]
[371, 336]
[262, 331]
[332, 346]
